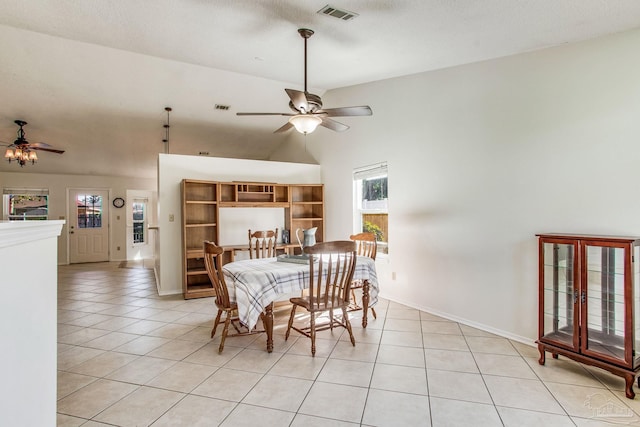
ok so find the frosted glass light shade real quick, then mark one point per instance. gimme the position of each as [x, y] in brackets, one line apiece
[305, 123]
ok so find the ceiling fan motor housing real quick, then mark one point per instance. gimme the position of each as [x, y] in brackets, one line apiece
[314, 101]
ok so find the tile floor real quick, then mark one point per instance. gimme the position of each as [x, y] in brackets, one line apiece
[127, 357]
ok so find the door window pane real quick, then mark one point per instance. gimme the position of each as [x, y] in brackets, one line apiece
[138, 208]
[89, 208]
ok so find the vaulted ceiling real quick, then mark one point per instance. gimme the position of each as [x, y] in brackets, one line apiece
[93, 77]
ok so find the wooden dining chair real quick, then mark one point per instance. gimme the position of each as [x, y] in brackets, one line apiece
[331, 267]
[213, 264]
[366, 245]
[262, 244]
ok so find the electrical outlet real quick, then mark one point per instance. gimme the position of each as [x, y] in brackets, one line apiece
[118, 248]
[393, 275]
[171, 218]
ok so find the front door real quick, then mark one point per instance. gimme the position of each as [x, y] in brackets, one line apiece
[88, 225]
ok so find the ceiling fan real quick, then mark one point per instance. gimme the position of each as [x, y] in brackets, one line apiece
[308, 112]
[21, 149]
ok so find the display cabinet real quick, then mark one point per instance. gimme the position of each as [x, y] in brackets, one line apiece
[589, 301]
[249, 194]
[199, 223]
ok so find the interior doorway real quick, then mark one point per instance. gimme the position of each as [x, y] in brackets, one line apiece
[88, 225]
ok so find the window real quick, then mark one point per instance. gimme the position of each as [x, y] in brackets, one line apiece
[89, 208]
[371, 203]
[139, 208]
[25, 204]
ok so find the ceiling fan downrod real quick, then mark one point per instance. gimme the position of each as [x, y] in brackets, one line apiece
[305, 33]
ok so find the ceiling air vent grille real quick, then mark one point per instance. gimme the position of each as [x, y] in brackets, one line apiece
[334, 12]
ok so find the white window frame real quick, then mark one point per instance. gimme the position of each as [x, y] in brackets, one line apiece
[8, 192]
[377, 170]
[145, 235]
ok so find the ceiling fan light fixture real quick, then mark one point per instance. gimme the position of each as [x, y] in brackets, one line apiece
[305, 123]
[9, 155]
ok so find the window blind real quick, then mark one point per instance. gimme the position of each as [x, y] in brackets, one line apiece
[371, 171]
[26, 191]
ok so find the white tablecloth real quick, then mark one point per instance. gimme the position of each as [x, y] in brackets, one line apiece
[256, 283]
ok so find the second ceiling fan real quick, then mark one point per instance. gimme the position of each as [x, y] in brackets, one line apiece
[308, 112]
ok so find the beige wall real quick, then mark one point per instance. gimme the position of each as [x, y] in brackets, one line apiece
[481, 158]
[58, 186]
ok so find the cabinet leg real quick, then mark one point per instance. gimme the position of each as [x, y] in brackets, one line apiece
[554, 355]
[542, 355]
[638, 381]
[629, 379]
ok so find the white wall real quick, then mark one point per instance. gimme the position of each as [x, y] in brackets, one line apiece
[481, 158]
[58, 185]
[28, 322]
[172, 169]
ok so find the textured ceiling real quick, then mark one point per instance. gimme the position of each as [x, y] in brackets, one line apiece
[190, 54]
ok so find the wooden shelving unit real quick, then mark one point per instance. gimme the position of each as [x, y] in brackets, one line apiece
[201, 200]
[199, 223]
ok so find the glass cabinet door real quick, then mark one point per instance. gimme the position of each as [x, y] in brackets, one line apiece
[559, 294]
[605, 332]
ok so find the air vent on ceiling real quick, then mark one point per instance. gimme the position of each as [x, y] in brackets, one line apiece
[222, 107]
[334, 12]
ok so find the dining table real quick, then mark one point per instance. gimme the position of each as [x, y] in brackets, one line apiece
[255, 284]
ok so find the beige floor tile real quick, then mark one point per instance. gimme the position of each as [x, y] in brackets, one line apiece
[389, 408]
[363, 335]
[142, 345]
[402, 325]
[88, 320]
[82, 336]
[168, 316]
[253, 360]
[208, 355]
[508, 366]
[110, 340]
[491, 345]
[347, 372]
[75, 356]
[199, 334]
[335, 401]
[298, 366]
[458, 385]
[140, 408]
[103, 364]
[399, 378]
[455, 413]
[450, 360]
[470, 331]
[176, 349]
[407, 339]
[303, 346]
[94, 398]
[402, 312]
[279, 344]
[397, 355]
[435, 327]
[171, 330]
[277, 392]
[302, 420]
[115, 323]
[522, 394]
[361, 351]
[526, 350]
[445, 341]
[587, 402]
[69, 421]
[141, 370]
[228, 384]
[182, 377]
[564, 371]
[196, 411]
[250, 416]
[512, 417]
[198, 319]
[432, 317]
[69, 382]
[142, 327]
